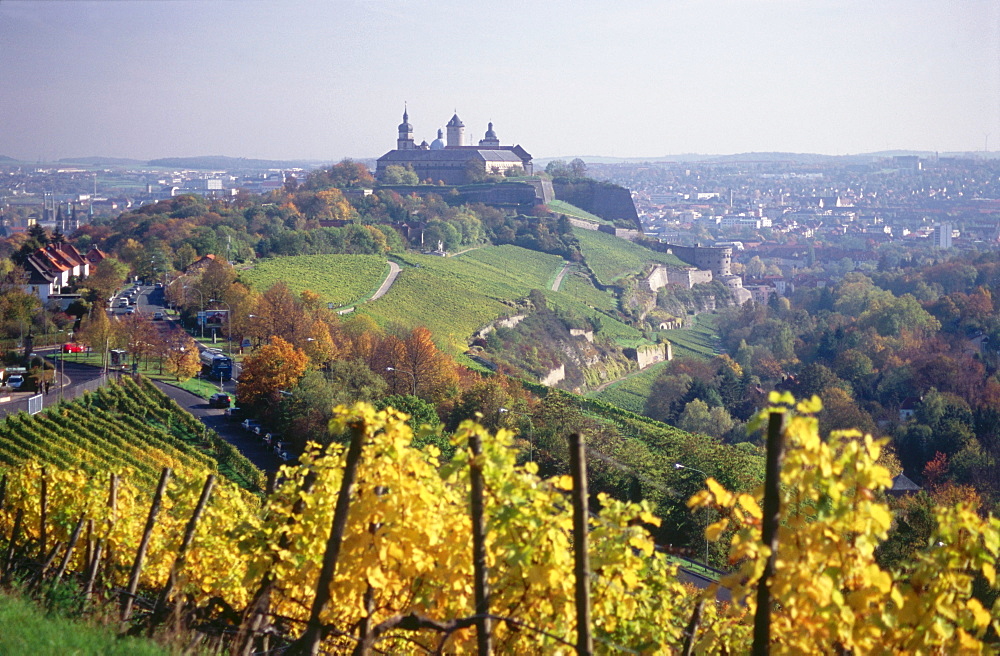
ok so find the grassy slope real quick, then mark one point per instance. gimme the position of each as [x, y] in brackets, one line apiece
[562, 207]
[612, 258]
[455, 296]
[700, 341]
[27, 629]
[338, 279]
[631, 393]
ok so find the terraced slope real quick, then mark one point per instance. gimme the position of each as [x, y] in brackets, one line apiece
[612, 258]
[123, 426]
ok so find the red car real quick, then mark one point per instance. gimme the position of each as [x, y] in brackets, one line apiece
[74, 348]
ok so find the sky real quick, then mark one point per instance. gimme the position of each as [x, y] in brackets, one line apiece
[327, 80]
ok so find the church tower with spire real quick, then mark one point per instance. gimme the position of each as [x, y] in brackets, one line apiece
[405, 140]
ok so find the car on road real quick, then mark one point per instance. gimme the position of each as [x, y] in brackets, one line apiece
[130, 310]
[234, 413]
[250, 425]
[15, 381]
[74, 348]
[220, 400]
[157, 316]
[122, 302]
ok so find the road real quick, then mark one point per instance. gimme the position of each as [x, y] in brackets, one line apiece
[559, 278]
[250, 445]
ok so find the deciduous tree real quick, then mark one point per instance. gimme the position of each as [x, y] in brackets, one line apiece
[273, 367]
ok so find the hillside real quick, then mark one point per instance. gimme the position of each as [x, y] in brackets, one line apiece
[338, 279]
[611, 258]
[123, 426]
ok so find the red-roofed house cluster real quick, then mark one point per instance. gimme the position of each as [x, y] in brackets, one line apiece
[51, 268]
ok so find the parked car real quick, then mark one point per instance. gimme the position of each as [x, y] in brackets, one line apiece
[219, 400]
[74, 348]
[234, 413]
[15, 381]
[157, 316]
[122, 302]
[130, 310]
[251, 424]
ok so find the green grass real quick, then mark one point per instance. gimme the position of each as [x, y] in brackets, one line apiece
[27, 629]
[199, 387]
[455, 296]
[562, 207]
[578, 286]
[612, 258]
[338, 279]
[631, 393]
[610, 327]
[700, 341]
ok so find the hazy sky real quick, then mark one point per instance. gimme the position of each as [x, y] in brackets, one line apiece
[327, 80]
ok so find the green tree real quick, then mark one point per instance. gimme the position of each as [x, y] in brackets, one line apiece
[398, 175]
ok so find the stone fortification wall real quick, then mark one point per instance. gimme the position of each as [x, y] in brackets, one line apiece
[661, 276]
[608, 201]
[621, 233]
[554, 377]
[509, 322]
[717, 259]
[650, 354]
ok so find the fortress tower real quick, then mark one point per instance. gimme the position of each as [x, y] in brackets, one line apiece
[405, 140]
[456, 132]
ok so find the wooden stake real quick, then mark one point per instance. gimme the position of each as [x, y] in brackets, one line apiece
[3, 490]
[192, 524]
[481, 573]
[92, 569]
[69, 548]
[581, 557]
[769, 531]
[42, 537]
[133, 581]
[310, 640]
[15, 533]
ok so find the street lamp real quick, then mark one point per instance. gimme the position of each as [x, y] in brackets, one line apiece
[404, 371]
[229, 324]
[678, 465]
[201, 308]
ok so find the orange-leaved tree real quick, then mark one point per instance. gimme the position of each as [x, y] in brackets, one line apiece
[275, 366]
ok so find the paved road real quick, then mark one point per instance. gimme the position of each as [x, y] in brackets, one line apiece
[391, 278]
[559, 278]
[250, 445]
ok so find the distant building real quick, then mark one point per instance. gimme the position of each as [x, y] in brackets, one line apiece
[453, 162]
[942, 235]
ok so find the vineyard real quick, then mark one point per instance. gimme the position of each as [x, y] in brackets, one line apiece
[632, 392]
[612, 258]
[126, 426]
[338, 279]
[378, 547]
[455, 296]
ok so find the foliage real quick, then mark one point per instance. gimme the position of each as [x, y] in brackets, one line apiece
[829, 593]
[273, 368]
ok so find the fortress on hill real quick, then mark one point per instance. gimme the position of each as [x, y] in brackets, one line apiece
[453, 162]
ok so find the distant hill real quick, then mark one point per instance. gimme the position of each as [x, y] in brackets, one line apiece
[102, 161]
[8, 160]
[220, 162]
[799, 158]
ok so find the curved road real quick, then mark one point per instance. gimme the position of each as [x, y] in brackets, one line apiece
[387, 283]
[559, 278]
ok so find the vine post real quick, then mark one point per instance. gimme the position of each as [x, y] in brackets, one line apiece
[481, 573]
[769, 531]
[581, 559]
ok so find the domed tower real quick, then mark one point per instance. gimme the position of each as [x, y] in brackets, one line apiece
[456, 132]
[438, 144]
[405, 139]
[490, 140]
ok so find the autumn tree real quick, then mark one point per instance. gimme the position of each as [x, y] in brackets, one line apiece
[137, 334]
[180, 355]
[273, 367]
[433, 370]
[96, 331]
[108, 276]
